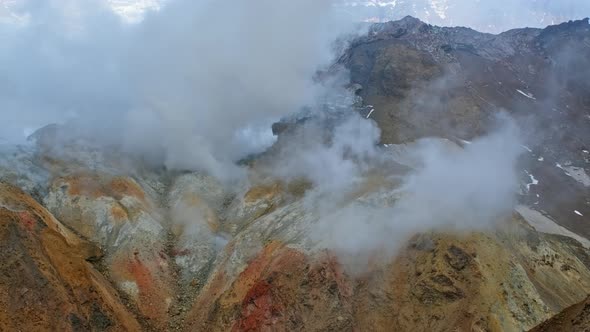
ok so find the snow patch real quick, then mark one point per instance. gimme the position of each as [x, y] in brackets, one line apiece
[534, 181]
[465, 142]
[578, 213]
[558, 165]
[578, 174]
[371, 112]
[544, 224]
[528, 95]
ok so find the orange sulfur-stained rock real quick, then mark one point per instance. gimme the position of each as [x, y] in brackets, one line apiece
[279, 289]
[46, 280]
[118, 215]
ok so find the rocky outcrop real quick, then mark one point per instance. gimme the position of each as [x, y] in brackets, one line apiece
[119, 216]
[47, 280]
[428, 80]
[422, 80]
[575, 318]
[504, 281]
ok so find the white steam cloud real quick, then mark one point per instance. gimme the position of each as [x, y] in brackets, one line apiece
[371, 199]
[333, 160]
[466, 188]
[188, 84]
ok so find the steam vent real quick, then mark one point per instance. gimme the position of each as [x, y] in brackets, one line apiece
[310, 165]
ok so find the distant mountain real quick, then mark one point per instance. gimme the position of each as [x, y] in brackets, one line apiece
[482, 15]
[487, 16]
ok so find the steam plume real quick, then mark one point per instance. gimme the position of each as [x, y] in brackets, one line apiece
[185, 84]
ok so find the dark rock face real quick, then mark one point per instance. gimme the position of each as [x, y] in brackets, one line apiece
[437, 71]
[457, 258]
[425, 80]
[575, 319]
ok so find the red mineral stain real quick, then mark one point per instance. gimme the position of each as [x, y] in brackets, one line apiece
[258, 308]
[145, 283]
[27, 220]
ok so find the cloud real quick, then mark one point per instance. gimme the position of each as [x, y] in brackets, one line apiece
[183, 84]
[332, 153]
[470, 188]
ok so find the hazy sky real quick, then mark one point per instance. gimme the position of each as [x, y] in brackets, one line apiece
[485, 15]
